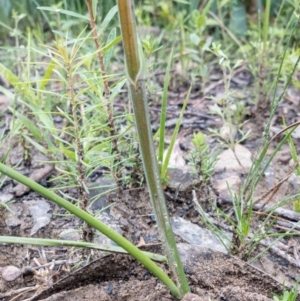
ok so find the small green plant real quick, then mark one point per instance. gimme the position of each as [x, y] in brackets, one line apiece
[294, 154]
[164, 156]
[245, 237]
[202, 158]
[228, 108]
[287, 295]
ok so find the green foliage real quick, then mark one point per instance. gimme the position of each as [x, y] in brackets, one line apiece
[78, 101]
[69, 64]
[165, 159]
[38, 21]
[202, 158]
[294, 155]
[287, 295]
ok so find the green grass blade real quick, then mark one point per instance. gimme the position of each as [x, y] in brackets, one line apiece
[163, 114]
[47, 76]
[30, 126]
[174, 136]
[109, 16]
[293, 148]
[72, 243]
[109, 51]
[65, 12]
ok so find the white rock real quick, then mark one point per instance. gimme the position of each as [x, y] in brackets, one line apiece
[41, 215]
[6, 197]
[227, 160]
[10, 273]
[70, 234]
[233, 182]
[228, 132]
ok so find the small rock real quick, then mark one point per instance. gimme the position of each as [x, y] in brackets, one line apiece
[180, 180]
[6, 197]
[233, 182]
[192, 297]
[10, 273]
[70, 234]
[227, 160]
[228, 132]
[195, 235]
[36, 176]
[57, 119]
[176, 159]
[296, 133]
[112, 223]
[40, 214]
[98, 193]
[14, 218]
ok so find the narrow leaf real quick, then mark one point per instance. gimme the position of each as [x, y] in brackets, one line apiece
[163, 114]
[174, 136]
[65, 12]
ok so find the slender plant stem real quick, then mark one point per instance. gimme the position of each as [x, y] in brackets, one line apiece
[118, 175]
[92, 221]
[72, 243]
[136, 81]
[163, 114]
[88, 234]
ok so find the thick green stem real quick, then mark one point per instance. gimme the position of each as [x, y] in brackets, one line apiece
[130, 41]
[138, 95]
[92, 221]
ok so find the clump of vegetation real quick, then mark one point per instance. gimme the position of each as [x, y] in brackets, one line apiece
[287, 295]
[72, 93]
[202, 158]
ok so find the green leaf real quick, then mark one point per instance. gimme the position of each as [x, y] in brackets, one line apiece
[71, 155]
[47, 76]
[238, 19]
[195, 39]
[109, 51]
[94, 7]
[65, 12]
[78, 244]
[163, 114]
[111, 43]
[43, 116]
[109, 16]
[174, 136]
[117, 88]
[194, 5]
[201, 21]
[30, 126]
[23, 88]
[36, 145]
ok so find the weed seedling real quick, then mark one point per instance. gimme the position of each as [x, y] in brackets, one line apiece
[202, 158]
[287, 295]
